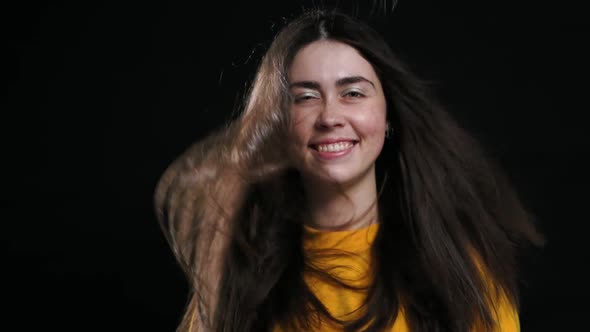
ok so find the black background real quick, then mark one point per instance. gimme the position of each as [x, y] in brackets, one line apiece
[100, 98]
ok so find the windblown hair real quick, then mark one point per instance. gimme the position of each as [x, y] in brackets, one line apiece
[231, 205]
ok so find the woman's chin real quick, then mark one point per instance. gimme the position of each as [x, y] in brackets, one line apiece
[331, 177]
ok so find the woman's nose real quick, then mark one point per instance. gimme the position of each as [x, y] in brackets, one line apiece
[330, 116]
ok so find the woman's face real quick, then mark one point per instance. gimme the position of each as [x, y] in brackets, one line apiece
[338, 113]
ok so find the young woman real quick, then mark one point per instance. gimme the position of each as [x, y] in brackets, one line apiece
[342, 199]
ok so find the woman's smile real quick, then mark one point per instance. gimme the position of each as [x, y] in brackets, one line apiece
[334, 150]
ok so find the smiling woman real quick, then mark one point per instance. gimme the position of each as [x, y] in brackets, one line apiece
[338, 129]
[342, 199]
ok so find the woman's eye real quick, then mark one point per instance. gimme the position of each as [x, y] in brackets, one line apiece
[354, 94]
[304, 98]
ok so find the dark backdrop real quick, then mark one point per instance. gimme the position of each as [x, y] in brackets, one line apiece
[100, 98]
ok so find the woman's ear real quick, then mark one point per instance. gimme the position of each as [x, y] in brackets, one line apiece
[388, 130]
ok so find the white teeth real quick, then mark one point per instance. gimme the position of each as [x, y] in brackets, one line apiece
[335, 147]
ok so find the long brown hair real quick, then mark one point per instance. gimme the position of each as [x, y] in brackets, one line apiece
[230, 208]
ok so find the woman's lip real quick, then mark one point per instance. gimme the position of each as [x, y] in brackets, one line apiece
[327, 155]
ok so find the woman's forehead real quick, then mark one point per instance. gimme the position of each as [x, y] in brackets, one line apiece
[326, 61]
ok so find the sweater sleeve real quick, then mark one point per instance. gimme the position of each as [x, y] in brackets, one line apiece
[504, 311]
[506, 316]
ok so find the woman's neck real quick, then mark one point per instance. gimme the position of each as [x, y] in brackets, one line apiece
[341, 207]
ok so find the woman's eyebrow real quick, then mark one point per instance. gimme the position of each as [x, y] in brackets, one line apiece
[305, 84]
[352, 79]
[340, 82]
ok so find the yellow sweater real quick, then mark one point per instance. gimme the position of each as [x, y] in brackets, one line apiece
[353, 268]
